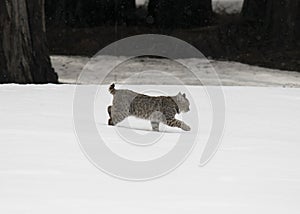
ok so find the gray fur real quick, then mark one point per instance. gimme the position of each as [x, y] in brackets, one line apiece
[161, 109]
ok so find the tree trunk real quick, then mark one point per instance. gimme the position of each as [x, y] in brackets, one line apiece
[197, 13]
[24, 56]
[278, 19]
[254, 10]
[180, 13]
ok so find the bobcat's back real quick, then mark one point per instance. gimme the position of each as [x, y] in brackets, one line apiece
[143, 106]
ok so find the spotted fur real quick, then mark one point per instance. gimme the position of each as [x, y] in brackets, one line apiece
[160, 109]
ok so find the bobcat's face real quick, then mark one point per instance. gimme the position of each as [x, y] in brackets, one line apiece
[182, 102]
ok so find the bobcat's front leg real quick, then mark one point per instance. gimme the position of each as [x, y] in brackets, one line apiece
[177, 123]
[155, 126]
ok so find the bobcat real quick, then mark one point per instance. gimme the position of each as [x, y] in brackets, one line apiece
[160, 109]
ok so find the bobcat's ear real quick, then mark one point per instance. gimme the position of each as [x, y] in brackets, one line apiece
[179, 94]
[183, 95]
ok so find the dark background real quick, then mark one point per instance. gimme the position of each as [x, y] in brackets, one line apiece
[265, 33]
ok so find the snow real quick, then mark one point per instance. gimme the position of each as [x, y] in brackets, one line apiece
[230, 73]
[256, 169]
[229, 6]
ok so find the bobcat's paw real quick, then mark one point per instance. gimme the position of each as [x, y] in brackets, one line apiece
[185, 127]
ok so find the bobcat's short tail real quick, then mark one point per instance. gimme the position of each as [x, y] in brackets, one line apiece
[112, 89]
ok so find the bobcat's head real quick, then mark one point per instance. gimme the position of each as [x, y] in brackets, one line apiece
[182, 102]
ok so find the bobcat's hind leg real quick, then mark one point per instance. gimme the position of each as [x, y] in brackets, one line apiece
[110, 122]
[117, 118]
[109, 111]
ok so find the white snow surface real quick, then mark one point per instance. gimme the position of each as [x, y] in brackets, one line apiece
[69, 69]
[255, 170]
[227, 6]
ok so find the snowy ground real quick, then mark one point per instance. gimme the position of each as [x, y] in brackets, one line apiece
[230, 73]
[256, 169]
[228, 6]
